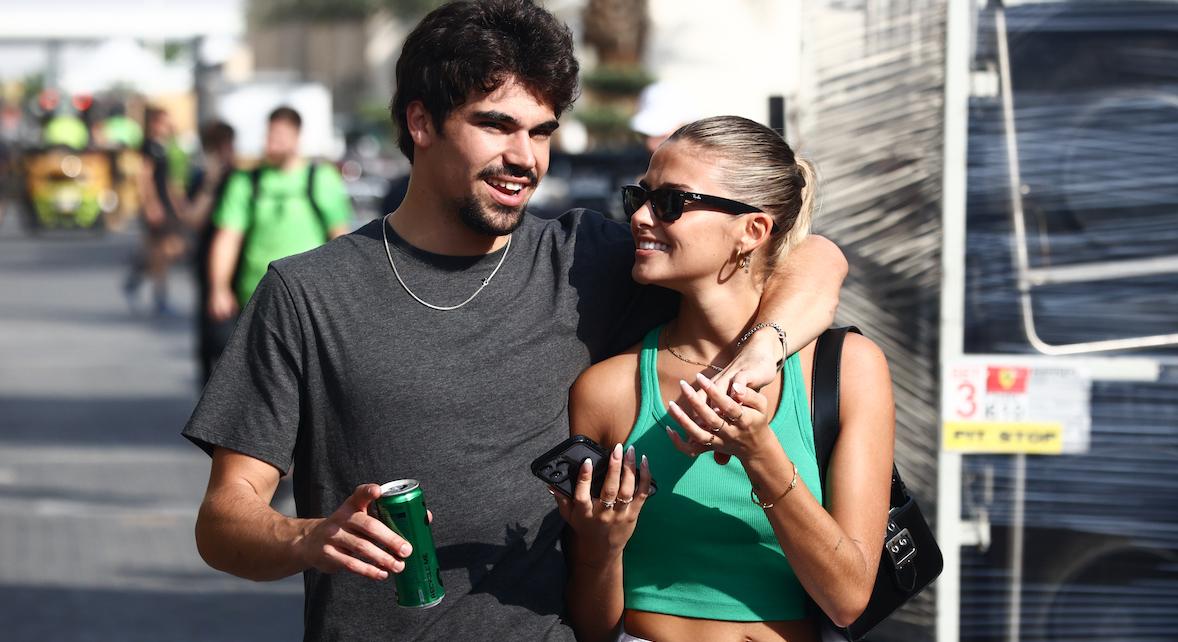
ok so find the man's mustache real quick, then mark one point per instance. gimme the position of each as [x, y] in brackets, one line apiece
[516, 172]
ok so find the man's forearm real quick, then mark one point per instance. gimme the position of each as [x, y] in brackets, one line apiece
[238, 533]
[223, 257]
[802, 294]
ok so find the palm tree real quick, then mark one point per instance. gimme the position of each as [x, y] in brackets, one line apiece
[617, 30]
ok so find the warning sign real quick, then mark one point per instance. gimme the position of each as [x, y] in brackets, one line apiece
[992, 437]
[993, 404]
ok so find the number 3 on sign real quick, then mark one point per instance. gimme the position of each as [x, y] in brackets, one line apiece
[967, 403]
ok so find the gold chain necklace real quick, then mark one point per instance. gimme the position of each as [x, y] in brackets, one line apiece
[692, 361]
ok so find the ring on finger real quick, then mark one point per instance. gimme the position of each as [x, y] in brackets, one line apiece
[717, 429]
[607, 504]
[624, 501]
[731, 419]
[711, 440]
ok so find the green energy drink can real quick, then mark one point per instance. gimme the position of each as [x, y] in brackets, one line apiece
[402, 508]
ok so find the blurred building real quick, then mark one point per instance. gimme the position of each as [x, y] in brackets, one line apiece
[333, 54]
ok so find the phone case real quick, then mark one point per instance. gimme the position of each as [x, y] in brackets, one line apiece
[558, 467]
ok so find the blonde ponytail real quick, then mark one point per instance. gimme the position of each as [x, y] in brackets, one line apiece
[806, 211]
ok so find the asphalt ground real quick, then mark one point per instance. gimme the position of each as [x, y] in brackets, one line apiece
[98, 492]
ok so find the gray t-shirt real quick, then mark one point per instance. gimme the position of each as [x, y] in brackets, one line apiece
[335, 370]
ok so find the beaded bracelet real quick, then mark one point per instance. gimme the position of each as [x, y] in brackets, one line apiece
[792, 484]
[780, 335]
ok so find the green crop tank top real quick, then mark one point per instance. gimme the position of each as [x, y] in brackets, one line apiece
[702, 548]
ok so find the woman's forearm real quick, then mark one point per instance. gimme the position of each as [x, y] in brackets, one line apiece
[831, 566]
[595, 599]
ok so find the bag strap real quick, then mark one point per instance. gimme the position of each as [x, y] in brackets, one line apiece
[256, 180]
[312, 167]
[255, 176]
[824, 406]
[824, 394]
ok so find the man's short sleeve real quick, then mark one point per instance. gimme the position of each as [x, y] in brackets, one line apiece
[233, 211]
[251, 403]
[331, 196]
[615, 311]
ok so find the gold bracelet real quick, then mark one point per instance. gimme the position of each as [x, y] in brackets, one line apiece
[757, 500]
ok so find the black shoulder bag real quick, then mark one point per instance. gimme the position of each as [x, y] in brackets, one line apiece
[911, 559]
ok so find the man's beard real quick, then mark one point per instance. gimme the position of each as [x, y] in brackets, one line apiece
[500, 221]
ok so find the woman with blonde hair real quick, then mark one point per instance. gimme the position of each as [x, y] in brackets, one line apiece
[725, 550]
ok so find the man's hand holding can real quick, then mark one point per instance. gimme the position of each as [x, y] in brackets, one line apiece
[351, 539]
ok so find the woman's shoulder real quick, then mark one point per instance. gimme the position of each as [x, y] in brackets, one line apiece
[862, 357]
[609, 377]
[865, 382]
[604, 399]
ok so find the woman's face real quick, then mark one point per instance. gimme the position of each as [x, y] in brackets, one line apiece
[701, 242]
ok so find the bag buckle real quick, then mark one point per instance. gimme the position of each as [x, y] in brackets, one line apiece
[902, 549]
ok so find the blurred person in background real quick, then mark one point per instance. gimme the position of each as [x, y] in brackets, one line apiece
[662, 108]
[163, 202]
[723, 202]
[284, 206]
[9, 175]
[438, 344]
[119, 130]
[206, 189]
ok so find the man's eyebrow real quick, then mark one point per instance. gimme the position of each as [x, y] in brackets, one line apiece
[507, 119]
[546, 127]
[497, 116]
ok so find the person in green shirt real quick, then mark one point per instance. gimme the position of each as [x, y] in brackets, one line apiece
[285, 206]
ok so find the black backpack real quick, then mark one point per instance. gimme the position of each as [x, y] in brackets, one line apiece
[256, 179]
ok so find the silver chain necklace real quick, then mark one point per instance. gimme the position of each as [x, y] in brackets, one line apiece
[443, 308]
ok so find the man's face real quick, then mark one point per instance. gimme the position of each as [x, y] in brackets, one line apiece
[161, 127]
[490, 156]
[282, 142]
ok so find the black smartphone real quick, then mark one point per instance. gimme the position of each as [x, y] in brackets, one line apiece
[559, 467]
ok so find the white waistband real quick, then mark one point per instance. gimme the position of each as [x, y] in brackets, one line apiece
[626, 637]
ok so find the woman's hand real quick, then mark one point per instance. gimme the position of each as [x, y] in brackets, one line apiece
[755, 366]
[604, 525]
[714, 421]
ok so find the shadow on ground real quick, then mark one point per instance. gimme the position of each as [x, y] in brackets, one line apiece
[84, 615]
[114, 421]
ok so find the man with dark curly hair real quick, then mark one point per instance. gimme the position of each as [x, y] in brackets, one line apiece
[438, 344]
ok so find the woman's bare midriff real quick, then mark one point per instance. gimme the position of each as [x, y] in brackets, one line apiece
[661, 627]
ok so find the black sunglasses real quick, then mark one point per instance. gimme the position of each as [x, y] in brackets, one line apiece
[667, 204]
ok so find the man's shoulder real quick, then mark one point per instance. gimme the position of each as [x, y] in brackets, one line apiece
[580, 226]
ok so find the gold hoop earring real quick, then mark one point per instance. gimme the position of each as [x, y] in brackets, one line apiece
[744, 263]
